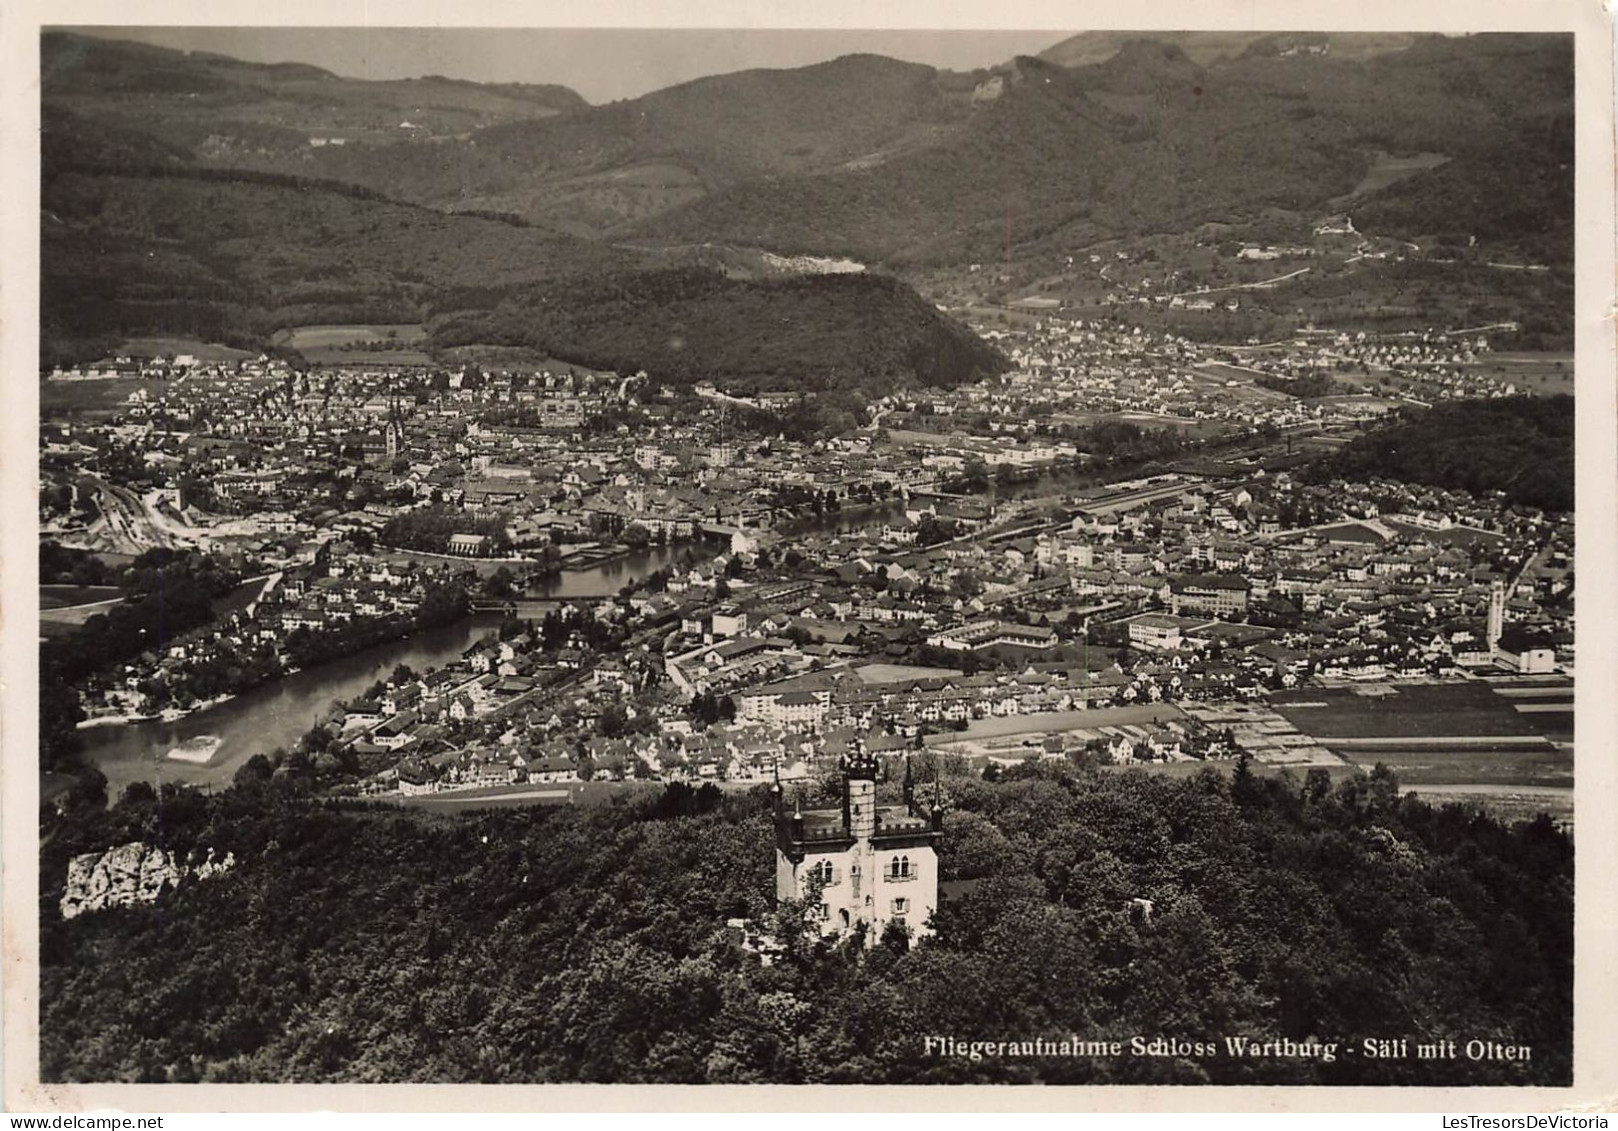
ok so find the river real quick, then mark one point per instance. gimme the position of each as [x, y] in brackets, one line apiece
[276, 714]
[280, 713]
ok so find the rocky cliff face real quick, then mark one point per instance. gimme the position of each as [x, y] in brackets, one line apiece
[130, 874]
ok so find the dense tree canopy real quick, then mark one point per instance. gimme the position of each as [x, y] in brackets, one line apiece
[1522, 446]
[588, 944]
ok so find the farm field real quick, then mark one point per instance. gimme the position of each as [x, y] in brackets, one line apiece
[1505, 803]
[512, 357]
[1411, 711]
[1508, 795]
[1548, 767]
[1226, 766]
[358, 345]
[1217, 373]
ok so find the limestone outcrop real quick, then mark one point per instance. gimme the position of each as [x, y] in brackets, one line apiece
[130, 874]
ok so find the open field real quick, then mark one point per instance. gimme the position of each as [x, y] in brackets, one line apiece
[513, 357]
[1387, 169]
[1504, 800]
[1549, 766]
[91, 398]
[174, 347]
[1411, 711]
[1356, 532]
[358, 345]
[1506, 803]
[1197, 429]
[1214, 376]
[1056, 722]
[895, 673]
[546, 793]
[1543, 374]
[68, 617]
[933, 439]
[1455, 536]
[66, 596]
[1463, 737]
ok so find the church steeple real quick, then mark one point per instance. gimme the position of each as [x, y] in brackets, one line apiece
[393, 433]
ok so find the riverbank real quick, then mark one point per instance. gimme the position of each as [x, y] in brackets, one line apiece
[270, 716]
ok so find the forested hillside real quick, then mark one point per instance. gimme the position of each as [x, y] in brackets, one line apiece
[907, 165]
[233, 257]
[1522, 446]
[588, 944]
[861, 334]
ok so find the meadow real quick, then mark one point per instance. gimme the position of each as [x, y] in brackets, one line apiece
[396, 344]
[1414, 711]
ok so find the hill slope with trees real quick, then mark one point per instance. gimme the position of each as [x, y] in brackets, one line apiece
[1522, 446]
[588, 944]
[903, 164]
[232, 257]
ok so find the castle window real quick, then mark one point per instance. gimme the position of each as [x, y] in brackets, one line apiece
[901, 906]
[898, 869]
[822, 872]
[825, 912]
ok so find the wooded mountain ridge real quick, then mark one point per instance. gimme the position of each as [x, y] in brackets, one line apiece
[903, 163]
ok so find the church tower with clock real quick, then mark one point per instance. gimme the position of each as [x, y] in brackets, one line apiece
[875, 864]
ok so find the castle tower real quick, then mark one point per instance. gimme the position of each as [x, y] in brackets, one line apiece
[1497, 612]
[871, 864]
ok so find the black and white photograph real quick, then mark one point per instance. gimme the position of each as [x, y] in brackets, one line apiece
[766, 556]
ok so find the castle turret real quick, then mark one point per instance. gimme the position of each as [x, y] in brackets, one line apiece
[859, 793]
[866, 864]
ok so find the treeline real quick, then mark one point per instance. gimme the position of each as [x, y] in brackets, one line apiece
[65, 565]
[589, 944]
[573, 626]
[430, 528]
[1313, 385]
[1521, 446]
[443, 603]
